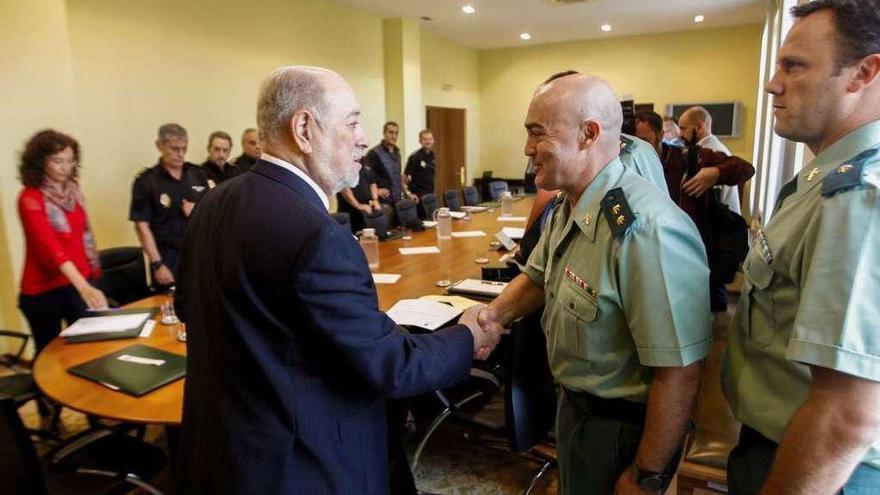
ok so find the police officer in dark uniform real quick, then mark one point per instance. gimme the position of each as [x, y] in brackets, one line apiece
[162, 199]
[216, 168]
[250, 150]
[419, 170]
[384, 161]
[361, 199]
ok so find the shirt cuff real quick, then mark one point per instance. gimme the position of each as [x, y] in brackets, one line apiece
[674, 357]
[833, 357]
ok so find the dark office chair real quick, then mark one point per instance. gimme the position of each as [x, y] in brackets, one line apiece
[496, 187]
[123, 275]
[342, 218]
[408, 214]
[104, 461]
[18, 385]
[471, 196]
[429, 204]
[452, 200]
[379, 221]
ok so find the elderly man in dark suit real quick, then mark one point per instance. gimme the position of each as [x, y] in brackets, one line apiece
[289, 357]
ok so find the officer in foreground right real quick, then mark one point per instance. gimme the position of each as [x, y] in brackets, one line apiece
[803, 367]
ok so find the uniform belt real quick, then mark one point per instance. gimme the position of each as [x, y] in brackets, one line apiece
[615, 409]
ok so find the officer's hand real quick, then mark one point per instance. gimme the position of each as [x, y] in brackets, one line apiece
[163, 275]
[484, 342]
[384, 193]
[187, 207]
[700, 183]
[93, 297]
[365, 207]
[626, 485]
[413, 197]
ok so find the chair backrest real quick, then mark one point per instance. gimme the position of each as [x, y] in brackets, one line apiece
[451, 199]
[496, 187]
[471, 196]
[20, 470]
[378, 220]
[342, 218]
[407, 214]
[123, 274]
[429, 204]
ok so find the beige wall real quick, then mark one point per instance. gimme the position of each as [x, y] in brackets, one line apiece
[703, 66]
[445, 64]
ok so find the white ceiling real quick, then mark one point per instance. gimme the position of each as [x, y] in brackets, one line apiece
[498, 23]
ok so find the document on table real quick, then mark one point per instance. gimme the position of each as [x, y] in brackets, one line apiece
[429, 224]
[511, 219]
[105, 324]
[457, 302]
[485, 288]
[419, 250]
[469, 233]
[515, 233]
[386, 278]
[422, 313]
[457, 214]
[474, 209]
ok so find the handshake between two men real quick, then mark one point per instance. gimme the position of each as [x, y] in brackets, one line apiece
[484, 324]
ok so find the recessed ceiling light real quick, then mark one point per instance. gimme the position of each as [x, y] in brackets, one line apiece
[699, 18]
[606, 27]
[525, 36]
[469, 9]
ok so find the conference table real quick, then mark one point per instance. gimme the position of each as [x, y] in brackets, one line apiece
[456, 260]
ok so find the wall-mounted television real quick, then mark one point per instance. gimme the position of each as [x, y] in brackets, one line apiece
[726, 117]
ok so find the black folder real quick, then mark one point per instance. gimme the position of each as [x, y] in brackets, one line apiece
[133, 378]
[124, 334]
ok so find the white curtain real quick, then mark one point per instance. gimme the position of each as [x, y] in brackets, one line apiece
[776, 160]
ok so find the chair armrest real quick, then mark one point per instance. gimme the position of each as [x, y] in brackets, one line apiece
[17, 335]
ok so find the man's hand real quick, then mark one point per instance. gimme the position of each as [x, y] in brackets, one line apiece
[627, 485]
[485, 339]
[412, 197]
[187, 207]
[702, 182]
[384, 192]
[365, 207]
[163, 275]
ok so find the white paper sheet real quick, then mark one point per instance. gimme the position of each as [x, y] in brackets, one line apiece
[474, 209]
[385, 278]
[478, 287]
[429, 223]
[105, 324]
[422, 313]
[511, 219]
[457, 214]
[515, 233]
[469, 233]
[148, 329]
[419, 250]
[457, 302]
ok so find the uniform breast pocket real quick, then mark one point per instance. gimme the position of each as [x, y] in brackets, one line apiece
[761, 322]
[578, 311]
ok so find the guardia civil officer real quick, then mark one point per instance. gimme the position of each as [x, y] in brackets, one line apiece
[162, 199]
[623, 275]
[803, 366]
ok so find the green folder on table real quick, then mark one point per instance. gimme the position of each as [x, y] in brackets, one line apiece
[135, 370]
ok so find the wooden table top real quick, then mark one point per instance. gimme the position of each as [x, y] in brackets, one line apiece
[165, 405]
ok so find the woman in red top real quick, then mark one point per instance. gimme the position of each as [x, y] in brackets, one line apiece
[60, 257]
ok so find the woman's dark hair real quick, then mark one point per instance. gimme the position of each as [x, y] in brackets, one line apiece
[857, 23]
[39, 147]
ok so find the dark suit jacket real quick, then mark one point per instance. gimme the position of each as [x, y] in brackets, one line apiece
[289, 357]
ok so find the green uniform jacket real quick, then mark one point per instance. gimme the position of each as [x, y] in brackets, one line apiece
[626, 286]
[812, 295]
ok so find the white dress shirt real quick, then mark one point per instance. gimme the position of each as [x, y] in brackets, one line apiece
[729, 194]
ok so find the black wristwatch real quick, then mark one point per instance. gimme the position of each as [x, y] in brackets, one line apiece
[651, 480]
[155, 265]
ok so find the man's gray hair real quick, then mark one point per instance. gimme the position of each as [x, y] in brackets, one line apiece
[286, 91]
[246, 132]
[171, 131]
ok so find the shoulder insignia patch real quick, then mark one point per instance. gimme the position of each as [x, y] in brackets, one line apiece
[617, 212]
[848, 175]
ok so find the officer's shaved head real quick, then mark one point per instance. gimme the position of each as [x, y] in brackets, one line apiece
[582, 97]
[696, 115]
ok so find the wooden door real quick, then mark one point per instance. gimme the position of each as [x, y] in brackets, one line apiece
[449, 128]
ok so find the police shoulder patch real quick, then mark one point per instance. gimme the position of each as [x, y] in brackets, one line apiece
[617, 212]
[847, 175]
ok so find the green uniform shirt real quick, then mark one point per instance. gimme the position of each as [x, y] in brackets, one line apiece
[641, 158]
[622, 298]
[812, 295]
